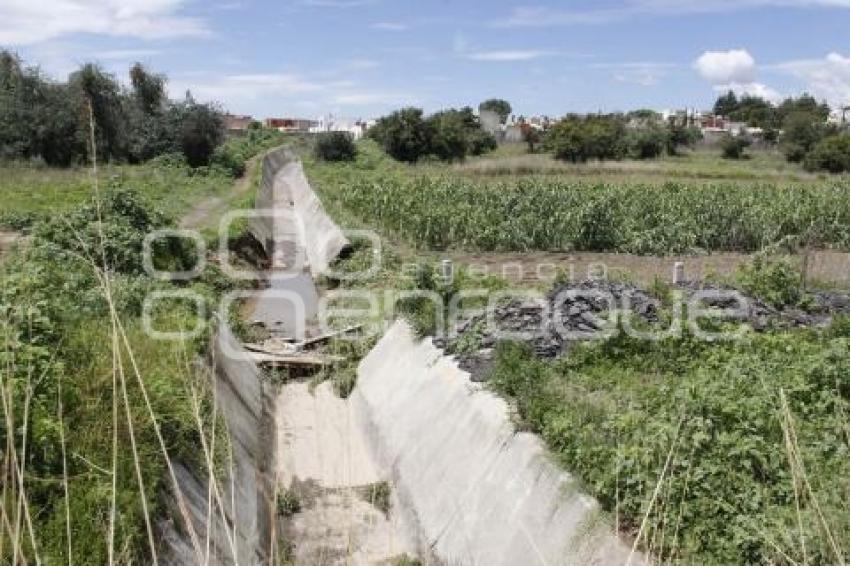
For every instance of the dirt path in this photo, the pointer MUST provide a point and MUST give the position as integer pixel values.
(323, 457)
(7, 242)
(208, 211)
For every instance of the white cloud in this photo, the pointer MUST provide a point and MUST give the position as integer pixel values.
(752, 89)
(27, 22)
(509, 55)
(733, 66)
(285, 93)
(390, 26)
(827, 78)
(545, 17)
(734, 70)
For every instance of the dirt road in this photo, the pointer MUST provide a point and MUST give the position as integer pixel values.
(7, 242)
(208, 212)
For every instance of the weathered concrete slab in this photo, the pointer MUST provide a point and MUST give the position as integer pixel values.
(479, 492)
(293, 227)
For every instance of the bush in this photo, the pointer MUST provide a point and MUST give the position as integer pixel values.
(647, 142)
(733, 147)
(335, 146)
(830, 154)
(404, 134)
(775, 282)
(802, 130)
(229, 159)
(579, 138)
(288, 502)
(201, 132)
(447, 135)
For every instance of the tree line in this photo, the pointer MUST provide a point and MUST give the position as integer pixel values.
(800, 126)
(44, 119)
(449, 135)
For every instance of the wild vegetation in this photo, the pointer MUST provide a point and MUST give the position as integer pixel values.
(87, 390)
(705, 453)
(32, 191)
(448, 135)
(47, 120)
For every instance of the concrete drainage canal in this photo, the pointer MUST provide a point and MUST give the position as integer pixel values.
(417, 465)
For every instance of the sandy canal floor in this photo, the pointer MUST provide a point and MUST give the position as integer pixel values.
(324, 457)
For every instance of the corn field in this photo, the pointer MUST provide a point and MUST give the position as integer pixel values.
(535, 214)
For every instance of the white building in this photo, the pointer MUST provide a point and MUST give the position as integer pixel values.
(330, 123)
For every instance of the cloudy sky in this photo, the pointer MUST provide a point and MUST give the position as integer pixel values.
(363, 57)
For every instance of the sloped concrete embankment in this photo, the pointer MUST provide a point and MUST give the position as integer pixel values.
(291, 221)
(478, 491)
(233, 521)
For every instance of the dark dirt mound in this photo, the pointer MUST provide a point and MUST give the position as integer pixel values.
(582, 311)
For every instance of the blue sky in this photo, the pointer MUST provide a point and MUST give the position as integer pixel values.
(360, 58)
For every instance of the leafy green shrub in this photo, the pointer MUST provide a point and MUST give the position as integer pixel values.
(288, 502)
(733, 147)
(776, 282)
(802, 130)
(647, 142)
(447, 135)
(404, 134)
(830, 154)
(580, 138)
(335, 146)
(229, 159)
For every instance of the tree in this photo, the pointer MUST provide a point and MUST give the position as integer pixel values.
(756, 112)
(804, 103)
(501, 107)
(99, 91)
(647, 141)
(681, 136)
(404, 134)
(335, 146)
(579, 138)
(830, 154)
(726, 104)
(450, 134)
(148, 89)
(530, 135)
(202, 130)
(733, 147)
(802, 130)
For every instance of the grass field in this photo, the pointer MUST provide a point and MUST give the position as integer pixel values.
(28, 192)
(701, 165)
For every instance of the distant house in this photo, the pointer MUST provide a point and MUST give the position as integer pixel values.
(237, 125)
(292, 125)
(330, 123)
